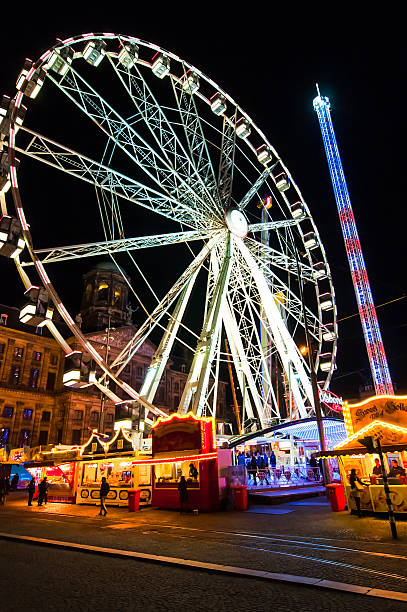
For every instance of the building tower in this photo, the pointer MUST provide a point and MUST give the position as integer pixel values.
(367, 311)
(105, 298)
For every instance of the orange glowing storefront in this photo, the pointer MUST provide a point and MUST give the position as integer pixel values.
(185, 445)
(383, 417)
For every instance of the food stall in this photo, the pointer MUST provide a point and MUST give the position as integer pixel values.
(59, 465)
(118, 462)
(185, 445)
(382, 417)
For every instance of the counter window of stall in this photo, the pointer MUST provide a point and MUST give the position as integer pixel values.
(168, 475)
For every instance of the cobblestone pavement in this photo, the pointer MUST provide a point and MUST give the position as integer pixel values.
(307, 540)
(41, 579)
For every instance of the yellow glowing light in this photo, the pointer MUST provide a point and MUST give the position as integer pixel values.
(303, 350)
(359, 434)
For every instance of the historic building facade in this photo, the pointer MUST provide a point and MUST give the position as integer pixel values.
(36, 408)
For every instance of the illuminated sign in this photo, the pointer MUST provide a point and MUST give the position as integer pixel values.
(389, 409)
(330, 400)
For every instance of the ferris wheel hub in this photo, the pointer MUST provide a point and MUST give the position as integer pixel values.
(236, 222)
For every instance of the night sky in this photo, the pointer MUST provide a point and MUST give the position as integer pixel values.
(269, 65)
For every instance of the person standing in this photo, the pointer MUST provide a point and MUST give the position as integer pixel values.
(377, 470)
(183, 494)
(253, 469)
(396, 470)
(356, 486)
(42, 492)
(31, 491)
(103, 492)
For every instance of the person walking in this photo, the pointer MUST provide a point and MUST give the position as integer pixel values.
(31, 491)
(183, 495)
(42, 492)
(103, 492)
(356, 486)
(14, 483)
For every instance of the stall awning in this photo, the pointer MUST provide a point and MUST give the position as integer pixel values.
(304, 429)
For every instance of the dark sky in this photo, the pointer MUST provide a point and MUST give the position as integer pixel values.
(269, 63)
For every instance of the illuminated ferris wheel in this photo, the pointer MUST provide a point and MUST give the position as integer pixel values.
(158, 157)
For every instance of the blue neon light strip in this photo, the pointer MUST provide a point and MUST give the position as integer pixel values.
(370, 325)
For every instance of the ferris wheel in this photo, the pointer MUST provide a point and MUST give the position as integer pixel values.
(137, 152)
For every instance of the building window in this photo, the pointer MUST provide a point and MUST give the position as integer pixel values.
(139, 371)
(59, 436)
(78, 415)
(176, 387)
(76, 436)
(14, 375)
(183, 368)
(2, 347)
(37, 356)
(4, 436)
(116, 296)
(51, 381)
(94, 417)
(103, 292)
(18, 352)
(43, 437)
(8, 412)
(24, 437)
(88, 293)
(46, 416)
(109, 418)
(53, 360)
(34, 376)
(3, 319)
(27, 414)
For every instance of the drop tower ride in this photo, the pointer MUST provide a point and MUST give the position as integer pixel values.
(370, 325)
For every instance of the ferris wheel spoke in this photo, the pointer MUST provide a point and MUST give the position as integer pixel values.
(160, 127)
(124, 135)
(111, 247)
(279, 259)
(227, 158)
(162, 308)
(272, 225)
(255, 188)
(197, 143)
(80, 166)
(246, 306)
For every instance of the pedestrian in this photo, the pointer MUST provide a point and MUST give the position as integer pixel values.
(42, 492)
(258, 459)
(14, 483)
(103, 492)
(273, 460)
(241, 460)
(253, 469)
(356, 486)
(263, 471)
(31, 491)
(313, 463)
(183, 495)
(193, 472)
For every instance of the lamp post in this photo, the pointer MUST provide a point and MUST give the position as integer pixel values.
(313, 376)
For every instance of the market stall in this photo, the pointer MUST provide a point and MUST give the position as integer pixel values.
(116, 460)
(185, 445)
(380, 417)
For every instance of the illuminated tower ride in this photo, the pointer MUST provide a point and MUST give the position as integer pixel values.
(367, 311)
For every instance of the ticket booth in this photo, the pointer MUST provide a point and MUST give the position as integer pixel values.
(185, 445)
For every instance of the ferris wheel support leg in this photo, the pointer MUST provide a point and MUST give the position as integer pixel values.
(285, 345)
(159, 361)
(198, 378)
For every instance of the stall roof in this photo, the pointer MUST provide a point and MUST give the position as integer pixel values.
(304, 429)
